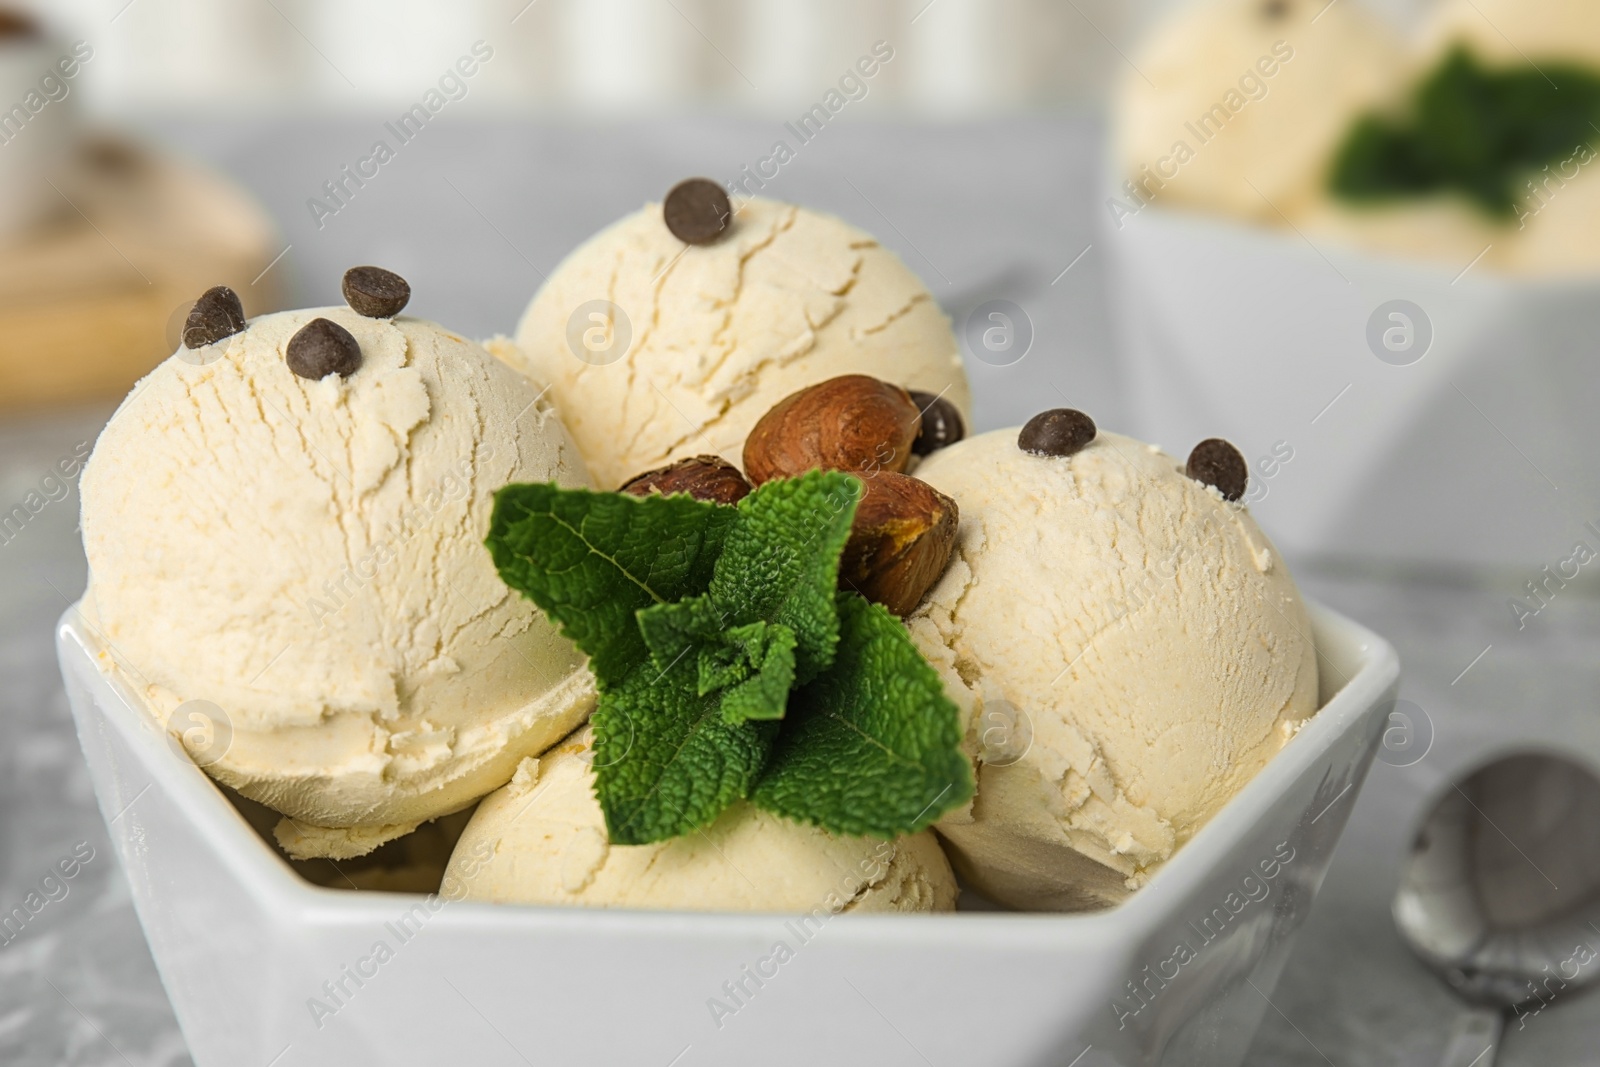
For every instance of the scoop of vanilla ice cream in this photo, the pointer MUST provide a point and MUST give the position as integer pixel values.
(717, 334)
(307, 557)
(1517, 31)
(1237, 106)
(1560, 225)
(542, 840)
(1443, 229)
(1130, 651)
(1454, 232)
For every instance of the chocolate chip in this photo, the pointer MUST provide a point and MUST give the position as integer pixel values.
(1058, 432)
(320, 348)
(941, 423)
(1275, 9)
(1219, 465)
(375, 292)
(697, 211)
(216, 315)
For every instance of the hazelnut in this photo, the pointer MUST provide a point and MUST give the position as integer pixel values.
(702, 477)
(900, 542)
(850, 423)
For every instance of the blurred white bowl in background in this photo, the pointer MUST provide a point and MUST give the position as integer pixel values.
(1390, 410)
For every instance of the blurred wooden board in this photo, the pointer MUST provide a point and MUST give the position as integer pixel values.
(89, 302)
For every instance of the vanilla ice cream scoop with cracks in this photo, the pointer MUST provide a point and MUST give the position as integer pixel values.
(542, 840)
(1238, 106)
(1130, 651)
(300, 564)
(656, 351)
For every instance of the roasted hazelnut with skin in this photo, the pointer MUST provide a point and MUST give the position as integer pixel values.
(710, 478)
(900, 542)
(850, 423)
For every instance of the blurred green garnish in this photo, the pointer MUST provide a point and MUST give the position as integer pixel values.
(1474, 130)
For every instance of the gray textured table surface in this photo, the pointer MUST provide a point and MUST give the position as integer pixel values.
(474, 215)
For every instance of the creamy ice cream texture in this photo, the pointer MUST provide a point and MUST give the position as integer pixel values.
(717, 334)
(1258, 97)
(1444, 229)
(1349, 63)
(1557, 234)
(1517, 31)
(306, 557)
(542, 840)
(1561, 230)
(1130, 651)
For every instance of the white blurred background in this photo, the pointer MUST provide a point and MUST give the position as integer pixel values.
(961, 58)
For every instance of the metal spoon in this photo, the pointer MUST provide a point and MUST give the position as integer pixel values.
(1501, 894)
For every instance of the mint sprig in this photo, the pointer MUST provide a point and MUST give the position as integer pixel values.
(714, 634)
(850, 757)
(1472, 129)
(670, 763)
(781, 561)
(592, 561)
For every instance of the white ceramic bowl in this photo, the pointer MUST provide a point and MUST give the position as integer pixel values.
(1473, 448)
(247, 950)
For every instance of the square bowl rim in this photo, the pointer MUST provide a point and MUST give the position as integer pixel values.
(293, 901)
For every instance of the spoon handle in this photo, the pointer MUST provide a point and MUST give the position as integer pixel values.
(1476, 1039)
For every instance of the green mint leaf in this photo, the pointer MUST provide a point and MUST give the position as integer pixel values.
(780, 562)
(873, 745)
(700, 620)
(592, 560)
(741, 653)
(769, 666)
(756, 652)
(666, 762)
(1475, 130)
(721, 666)
(672, 631)
(751, 641)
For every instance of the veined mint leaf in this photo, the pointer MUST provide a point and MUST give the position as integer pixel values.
(671, 631)
(753, 665)
(666, 762)
(873, 745)
(740, 653)
(780, 562)
(769, 654)
(592, 560)
(727, 663)
(700, 620)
